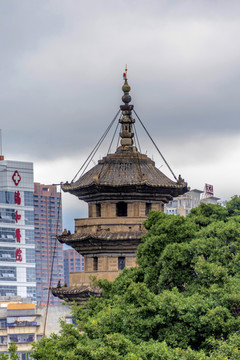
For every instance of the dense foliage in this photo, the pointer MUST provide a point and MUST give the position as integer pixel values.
(181, 302)
(12, 350)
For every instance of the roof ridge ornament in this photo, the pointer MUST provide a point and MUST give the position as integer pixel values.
(126, 120)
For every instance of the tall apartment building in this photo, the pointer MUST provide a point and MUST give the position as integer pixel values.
(17, 247)
(48, 223)
(73, 262)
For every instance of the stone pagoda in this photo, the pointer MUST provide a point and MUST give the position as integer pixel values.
(120, 191)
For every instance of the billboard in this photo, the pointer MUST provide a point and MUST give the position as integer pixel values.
(209, 189)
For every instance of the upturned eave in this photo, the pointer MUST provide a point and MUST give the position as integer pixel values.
(103, 242)
(78, 294)
(137, 192)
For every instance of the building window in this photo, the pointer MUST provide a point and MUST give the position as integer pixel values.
(7, 215)
(7, 235)
(3, 339)
(148, 208)
(31, 277)
(31, 292)
(95, 263)
(98, 210)
(8, 273)
(30, 256)
(28, 198)
(121, 209)
(8, 290)
(7, 197)
(21, 338)
(7, 254)
(121, 263)
(3, 323)
(29, 217)
(29, 237)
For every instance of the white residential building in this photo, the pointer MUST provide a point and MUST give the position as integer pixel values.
(183, 204)
(17, 246)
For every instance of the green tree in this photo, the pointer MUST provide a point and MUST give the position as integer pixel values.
(162, 230)
(181, 302)
(12, 351)
(233, 206)
(205, 214)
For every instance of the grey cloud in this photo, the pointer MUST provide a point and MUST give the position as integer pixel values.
(62, 64)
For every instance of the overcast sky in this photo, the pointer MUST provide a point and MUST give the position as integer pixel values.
(61, 76)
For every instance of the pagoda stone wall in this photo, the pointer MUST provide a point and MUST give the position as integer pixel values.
(103, 218)
(134, 209)
(113, 225)
(107, 269)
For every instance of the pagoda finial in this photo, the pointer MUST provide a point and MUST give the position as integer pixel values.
(126, 120)
(126, 98)
(125, 74)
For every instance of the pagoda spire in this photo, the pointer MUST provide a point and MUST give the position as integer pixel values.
(126, 120)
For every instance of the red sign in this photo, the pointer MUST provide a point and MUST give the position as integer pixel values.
(209, 189)
(18, 255)
(18, 235)
(17, 216)
(16, 177)
(17, 198)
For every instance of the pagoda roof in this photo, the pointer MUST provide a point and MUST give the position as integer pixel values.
(78, 294)
(103, 242)
(126, 171)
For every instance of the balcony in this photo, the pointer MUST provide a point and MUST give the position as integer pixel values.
(23, 322)
(22, 338)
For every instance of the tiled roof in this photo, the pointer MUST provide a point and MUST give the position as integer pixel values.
(121, 169)
(103, 242)
(102, 235)
(79, 294)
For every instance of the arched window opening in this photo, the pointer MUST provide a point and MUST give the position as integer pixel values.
(121, 209)
(121, 263)
(95, 264)
(98, 210)
(148, 208)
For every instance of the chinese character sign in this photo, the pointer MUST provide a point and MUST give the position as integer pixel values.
(17, 216)
(18, 255)
(17, 198)
(18, 235)
(16, 178)
(209, 189)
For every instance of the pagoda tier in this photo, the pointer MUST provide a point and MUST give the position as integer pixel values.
(103, 242)
(75, 293)
(131, 175)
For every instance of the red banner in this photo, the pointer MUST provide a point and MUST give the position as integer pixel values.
(209, 189)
